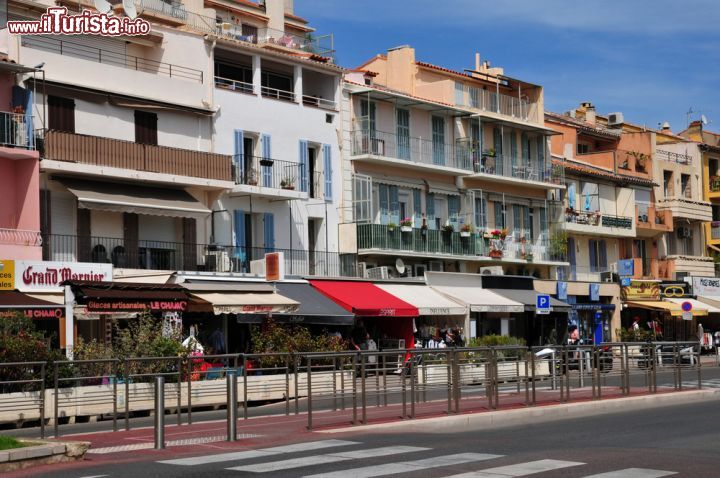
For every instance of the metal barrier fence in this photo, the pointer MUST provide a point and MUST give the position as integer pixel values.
(347, 387)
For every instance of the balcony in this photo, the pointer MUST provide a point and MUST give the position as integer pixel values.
(419, 153)
(166, 11)
(434, 243)
(651, 222)
(16, 131)
(672, 157)
(20, 244)
(493, 102)
(270, 173)
(647, 268)
(598, 224)
(107, 57)
(98, 151)
(682, 208)
(321, 45)
(174, 256)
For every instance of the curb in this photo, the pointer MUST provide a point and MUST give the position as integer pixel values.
(44, 453)
(505, 418)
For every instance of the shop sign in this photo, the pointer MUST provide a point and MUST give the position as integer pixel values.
(706, 286)
(135, 306)
(274, 266)
(386, 312)
(45, 275)
(626, 267)
(641, 290)
(674, 289)
(435, 311)
(7, 275)
(49, 313)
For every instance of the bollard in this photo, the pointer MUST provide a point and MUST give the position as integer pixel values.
(159, 413)
(231, 378)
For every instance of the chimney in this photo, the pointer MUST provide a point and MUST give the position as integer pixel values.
(401, 69)
(275, 10)
(589, 111)
(289, 7)
(666, 128)
(477, 61)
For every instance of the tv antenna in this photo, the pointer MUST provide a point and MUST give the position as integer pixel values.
(691, 112)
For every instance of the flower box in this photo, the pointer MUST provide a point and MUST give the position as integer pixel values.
(495, 254)
(406, 228)
(464, 234)
(266, 162)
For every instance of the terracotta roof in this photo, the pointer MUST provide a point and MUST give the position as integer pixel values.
(594, 171)
(443, 69)
(395, 92)
(583, 125)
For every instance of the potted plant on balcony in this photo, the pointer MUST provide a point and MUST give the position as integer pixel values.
(559, 245)
(490, 152)
(391, 226)
(466, 230)
(251, 177)
(528, 256)
(266, 162)
(448, 229)
(288, 183)
(406, 225)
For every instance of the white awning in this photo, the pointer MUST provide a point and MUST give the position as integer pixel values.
(427, 300)
(711, 304)
(248, 303)
(154, 201)
(467, 288)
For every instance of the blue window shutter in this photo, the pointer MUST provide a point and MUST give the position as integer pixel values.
(593, 255)
(238, 154)
(269, 232)
(384, 206)
(394, 205)
(430, 210)
(517, 221)
(478, 212)
(303, 165)
(267, 154)
(543, 222)
(454, 210)
(525, 148)
(526, 222)
(603, 255)
(416, 208)
(497, 141)
(327, 171)
(499, 220)
(239, 228)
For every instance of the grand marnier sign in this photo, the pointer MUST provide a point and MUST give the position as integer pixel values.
(47, 276)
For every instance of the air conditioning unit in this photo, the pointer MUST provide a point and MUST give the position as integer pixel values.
(613, 267)
(491, 271)
(615, 119)
(419, 270)
(362, 269)
(436, 266)
(609, 277)
(217, 261)
(379, 273)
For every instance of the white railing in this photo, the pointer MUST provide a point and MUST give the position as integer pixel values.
(20, 237)
(268, 92)
(171, 8)
(310, 100)
(14, 131)
(492, 101)
(234, 85)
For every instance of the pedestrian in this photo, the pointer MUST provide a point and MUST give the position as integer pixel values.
(700, 333)
(636, 324)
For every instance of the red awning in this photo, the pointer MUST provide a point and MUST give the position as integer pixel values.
(12, 299)
(365, 299)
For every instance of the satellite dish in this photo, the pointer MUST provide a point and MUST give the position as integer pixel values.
(400, 266)
(129, 7)
(102, 6)
(703, 119)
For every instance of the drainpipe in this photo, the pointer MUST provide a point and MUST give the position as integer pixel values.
(211, 85)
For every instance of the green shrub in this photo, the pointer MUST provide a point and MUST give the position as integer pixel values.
(271, 338)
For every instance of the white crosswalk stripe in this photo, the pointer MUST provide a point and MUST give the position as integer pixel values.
(634, 473)
(263, 452)
(329, 458)
(520, 469)
(418, 466)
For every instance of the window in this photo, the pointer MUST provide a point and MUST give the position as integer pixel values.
(388, 199)
(598, 256)
(667, 183)
(403, 133)
(481, 213)
(362, 198)
(241, 74)
(590, 197)
(438, 140)
(61, 114)
(277, 85)
(454, 211)
(499, 209)
(685, 186)
(474, 98)
(250, 31)
(145, 127)
(583, 148)
(459, 94)
(367, 115)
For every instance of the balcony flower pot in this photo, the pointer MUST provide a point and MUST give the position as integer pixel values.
(391, 227)
(406, 228)
(465, 234)
(496, 254)
(266, 162)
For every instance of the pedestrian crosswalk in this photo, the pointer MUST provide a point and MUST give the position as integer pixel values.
(398, 460)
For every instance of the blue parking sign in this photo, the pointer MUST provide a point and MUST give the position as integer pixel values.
(542, 304)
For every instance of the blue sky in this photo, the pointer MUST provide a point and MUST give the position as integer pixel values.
(652, 60)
